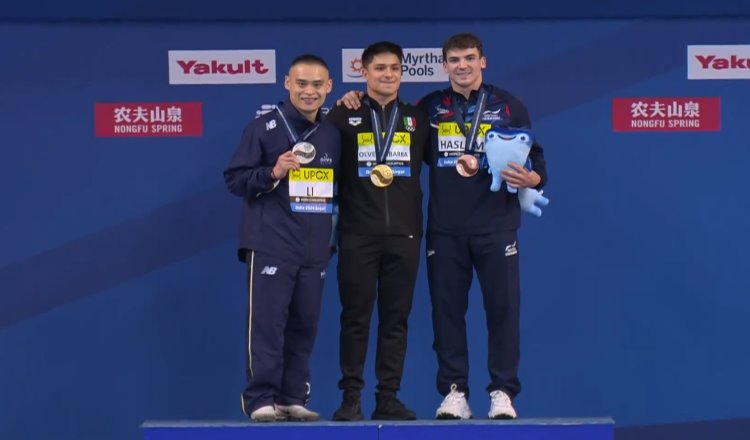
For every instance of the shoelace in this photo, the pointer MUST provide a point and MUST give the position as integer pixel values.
(454, 397)
(500, 396)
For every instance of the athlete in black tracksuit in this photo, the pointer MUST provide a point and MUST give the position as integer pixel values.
(471, 227)
(285, 241)
(381, 230)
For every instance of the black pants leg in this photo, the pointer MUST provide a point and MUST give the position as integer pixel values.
(399, 264)
(357, 270)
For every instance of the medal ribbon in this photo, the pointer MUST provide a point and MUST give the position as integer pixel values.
(292, 133)
(383, 144)
(458, 117)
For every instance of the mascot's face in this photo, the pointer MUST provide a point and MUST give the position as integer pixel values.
(509, 135)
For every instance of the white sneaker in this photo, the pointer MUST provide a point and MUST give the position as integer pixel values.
(500, 406)
(454, 406)
(296, 413)
(263, 414)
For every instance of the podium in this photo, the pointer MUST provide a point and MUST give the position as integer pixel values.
(521, 429)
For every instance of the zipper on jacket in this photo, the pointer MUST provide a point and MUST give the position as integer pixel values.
(384, 123)
(387, 210)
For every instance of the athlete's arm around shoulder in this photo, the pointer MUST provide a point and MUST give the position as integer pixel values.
(425, 105)
(425, 131)
(337, 115)
(428, 99)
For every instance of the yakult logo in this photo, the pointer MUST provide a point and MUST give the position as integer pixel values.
(222, 66)
(418, 65)
(719, 62)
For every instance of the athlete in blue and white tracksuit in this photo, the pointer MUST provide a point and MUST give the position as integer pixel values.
(471, 228)
(285, 241)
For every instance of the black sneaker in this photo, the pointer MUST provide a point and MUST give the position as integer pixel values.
(350, 409)
(388, 407)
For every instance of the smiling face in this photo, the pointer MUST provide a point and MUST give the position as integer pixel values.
(383, 75)
(464, 68)
(308, 86)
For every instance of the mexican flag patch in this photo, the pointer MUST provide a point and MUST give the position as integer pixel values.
(410, 123)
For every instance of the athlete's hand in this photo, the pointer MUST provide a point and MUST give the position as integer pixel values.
(285, 162)
(520, 177)
(352, 100)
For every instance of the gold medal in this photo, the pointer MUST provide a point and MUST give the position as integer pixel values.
(381, 175)
(305, 152)
(467, 165)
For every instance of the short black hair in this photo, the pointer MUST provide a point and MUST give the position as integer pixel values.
(309, 59)
(381, 47)
(462, 41)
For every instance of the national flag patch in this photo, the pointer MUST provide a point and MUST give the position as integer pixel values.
(410, 123)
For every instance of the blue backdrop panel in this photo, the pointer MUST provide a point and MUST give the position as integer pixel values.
(121, 298)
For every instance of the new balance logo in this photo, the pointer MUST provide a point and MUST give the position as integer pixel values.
(268, 270)
(511, 249)
(270, 125)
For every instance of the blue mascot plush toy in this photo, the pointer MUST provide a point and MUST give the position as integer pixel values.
(503, 145)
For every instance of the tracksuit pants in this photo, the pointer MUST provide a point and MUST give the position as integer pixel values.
(284, 309)
(451, 260)
(370, 268)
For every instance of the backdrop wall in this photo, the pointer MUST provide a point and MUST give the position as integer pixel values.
(122, 300)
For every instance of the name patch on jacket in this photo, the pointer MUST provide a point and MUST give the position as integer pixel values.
(399, 156)
(311, 190)
(452, 143)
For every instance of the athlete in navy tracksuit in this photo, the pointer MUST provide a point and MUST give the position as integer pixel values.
(472, 228)
(285, 240)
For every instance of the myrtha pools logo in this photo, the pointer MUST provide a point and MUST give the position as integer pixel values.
(418, 65)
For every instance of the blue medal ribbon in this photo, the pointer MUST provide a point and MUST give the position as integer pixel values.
(383, 142)
(292, 133)
(458, 117)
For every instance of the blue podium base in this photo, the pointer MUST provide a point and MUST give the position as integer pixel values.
(523, 429)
